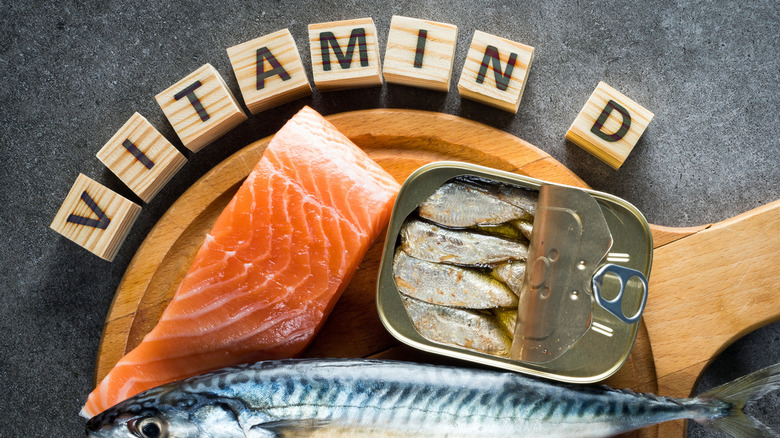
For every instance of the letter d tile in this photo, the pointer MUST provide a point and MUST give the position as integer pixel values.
(609, 125)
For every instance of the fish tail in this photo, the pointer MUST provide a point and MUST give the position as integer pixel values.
(732, 397)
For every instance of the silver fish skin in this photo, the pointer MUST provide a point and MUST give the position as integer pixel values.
(512, 274)
(519, 197)
(359, 397)
(460, 205)
(459, 327)
(426, 241)
(447, 285)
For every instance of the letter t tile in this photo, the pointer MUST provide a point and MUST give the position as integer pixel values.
(201, 108)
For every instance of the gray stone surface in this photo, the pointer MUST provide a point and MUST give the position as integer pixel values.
(73, 72)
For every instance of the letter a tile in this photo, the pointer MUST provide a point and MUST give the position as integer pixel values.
(420, 53)
(344, 54)
(141, 157)
(95, 217)
(495, 71)
(201, 108)
(609, 125)
(269, 71)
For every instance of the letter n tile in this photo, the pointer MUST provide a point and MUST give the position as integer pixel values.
(609, 125)
(495, 71)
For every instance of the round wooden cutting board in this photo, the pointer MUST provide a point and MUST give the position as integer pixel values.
(401, 141)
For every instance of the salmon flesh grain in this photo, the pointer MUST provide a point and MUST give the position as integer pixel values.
(273, 266)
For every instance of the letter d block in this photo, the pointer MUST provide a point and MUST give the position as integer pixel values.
(95, 217)
(420, 53)
(344, 54)
(609, 125)
(201, 108)
(141, 157)
(269, 71)
(495, 71)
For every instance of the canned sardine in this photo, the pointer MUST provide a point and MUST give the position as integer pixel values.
(457, 277)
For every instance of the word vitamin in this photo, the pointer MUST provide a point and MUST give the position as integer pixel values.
(344, 54)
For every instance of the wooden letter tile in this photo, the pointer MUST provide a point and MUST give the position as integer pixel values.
(141, 157)
(609, 125)
(344, 54)
(201, 108)
(495, 71)
(269, 71)
(95, 217)
(420, 53)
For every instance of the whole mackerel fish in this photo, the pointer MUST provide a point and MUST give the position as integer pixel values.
(357, 397)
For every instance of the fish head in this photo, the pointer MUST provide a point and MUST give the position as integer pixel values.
(130, 420)
(168, 412)
(126, 425)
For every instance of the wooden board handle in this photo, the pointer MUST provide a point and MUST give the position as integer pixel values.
(709, 289)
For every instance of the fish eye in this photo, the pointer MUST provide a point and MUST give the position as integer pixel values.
(149, 427)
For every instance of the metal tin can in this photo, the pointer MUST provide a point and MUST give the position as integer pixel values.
(603, 344)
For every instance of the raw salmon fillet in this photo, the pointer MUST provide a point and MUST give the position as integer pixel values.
(273, 266)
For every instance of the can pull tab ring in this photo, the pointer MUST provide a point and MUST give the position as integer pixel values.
(615, 306)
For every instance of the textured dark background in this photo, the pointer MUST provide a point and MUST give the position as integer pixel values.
(73, 72)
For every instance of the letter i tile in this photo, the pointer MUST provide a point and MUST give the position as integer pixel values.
(420, 53)
(269, 71)
(141, 157)
(95, 217)
(609, 125)
(495, 71)
(201, 108)
(344, 54)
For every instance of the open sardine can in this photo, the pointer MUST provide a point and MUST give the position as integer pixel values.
(579, 297)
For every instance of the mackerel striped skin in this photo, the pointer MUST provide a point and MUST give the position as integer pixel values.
(341, 397)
